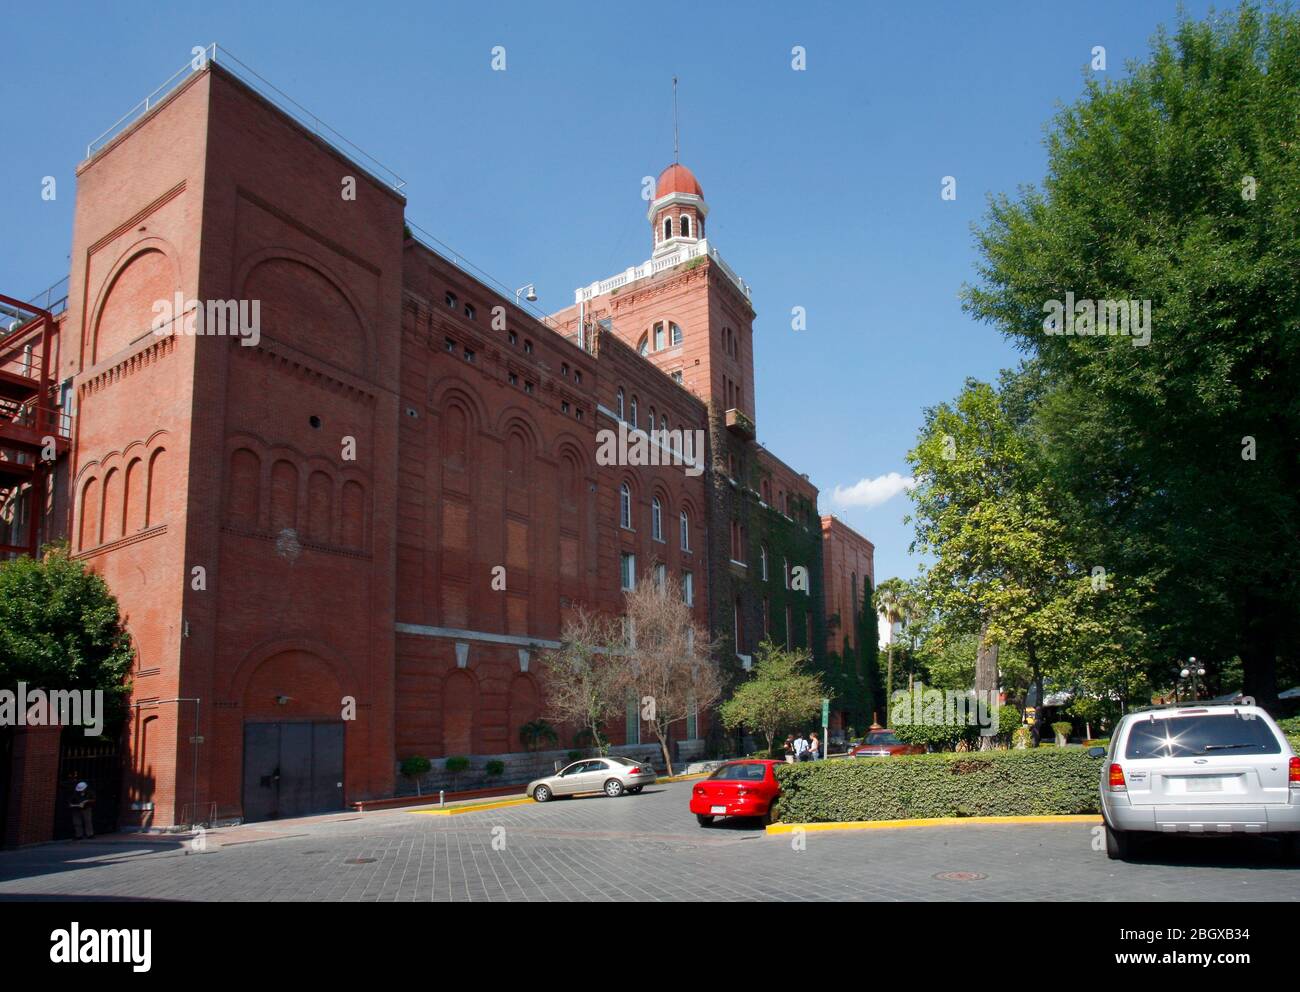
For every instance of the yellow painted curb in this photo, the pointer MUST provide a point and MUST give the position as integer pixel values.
(939, 821)
(503, 803)
(455, 810)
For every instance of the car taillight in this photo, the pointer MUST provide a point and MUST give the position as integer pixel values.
(699, 790)
(1294, 776)
(635, 771)
(1117, 779)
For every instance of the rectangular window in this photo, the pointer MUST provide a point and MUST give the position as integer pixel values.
(633, 720)
(661, 577)
(451, 345)
(789, 629)
(677, 377)
(688, 588)
(692, 720)
(628, 574)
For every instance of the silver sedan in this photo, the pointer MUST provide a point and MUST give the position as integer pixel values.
(612, 776)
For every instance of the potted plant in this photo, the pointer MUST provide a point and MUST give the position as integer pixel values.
(495, 768)
(1062, 730)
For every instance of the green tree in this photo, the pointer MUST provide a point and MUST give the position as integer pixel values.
(890, 601)
(778, 694)
(1178, 457)
(60, 628)
(1003, 562)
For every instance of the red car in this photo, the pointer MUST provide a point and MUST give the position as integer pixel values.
(884, 744)
(738, 788)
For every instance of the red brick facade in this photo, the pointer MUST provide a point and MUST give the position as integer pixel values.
(307, 531)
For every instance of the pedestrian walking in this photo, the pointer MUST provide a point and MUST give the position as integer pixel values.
(814, 748)
(789, 749)
(82, 805)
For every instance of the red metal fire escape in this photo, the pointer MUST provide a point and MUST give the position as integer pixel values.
(34, 433)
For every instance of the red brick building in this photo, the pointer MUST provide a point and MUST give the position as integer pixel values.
(304, 530)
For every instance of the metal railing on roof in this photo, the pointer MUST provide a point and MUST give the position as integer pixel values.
(250, 78)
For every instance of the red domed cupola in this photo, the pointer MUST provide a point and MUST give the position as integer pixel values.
(677, 214)
(677, 179)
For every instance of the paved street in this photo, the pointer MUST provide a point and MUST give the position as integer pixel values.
(645, 847)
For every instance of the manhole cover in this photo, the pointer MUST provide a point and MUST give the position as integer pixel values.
(960, 876)
(359, 861)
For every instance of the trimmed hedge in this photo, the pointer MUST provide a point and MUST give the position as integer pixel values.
(1033, 782)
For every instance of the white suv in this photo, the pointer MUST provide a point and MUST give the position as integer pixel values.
(1212, 769)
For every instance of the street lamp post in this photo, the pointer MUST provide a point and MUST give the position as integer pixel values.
(1194, 671)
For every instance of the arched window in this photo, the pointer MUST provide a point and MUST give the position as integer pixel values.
(656, 519)
(663, 423)
(674, 333)
(633, 417)
(668, 228)
(650, 422)
(659, 336)
(685, 222)
(762, 562)
(643, 345)
(625, 506)
(686, 531)
(619, 400)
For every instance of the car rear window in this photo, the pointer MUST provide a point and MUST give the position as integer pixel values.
(1188, 736)
(622, 761)
(741, 773)
(882, 737)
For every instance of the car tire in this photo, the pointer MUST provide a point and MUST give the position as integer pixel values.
(704, 820)
(542, 794)
(1118, 844)
(614, 788)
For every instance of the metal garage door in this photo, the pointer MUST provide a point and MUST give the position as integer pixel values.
(292, 769)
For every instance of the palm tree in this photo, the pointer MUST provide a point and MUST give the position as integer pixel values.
(890, 601)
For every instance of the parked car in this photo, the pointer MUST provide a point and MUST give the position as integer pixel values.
(883, 744)
(612, 776)
(1209, 769)
(738, 788)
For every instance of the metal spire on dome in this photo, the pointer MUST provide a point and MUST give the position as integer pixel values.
(676, 149)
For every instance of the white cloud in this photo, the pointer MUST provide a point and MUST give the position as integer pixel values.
(872, 492)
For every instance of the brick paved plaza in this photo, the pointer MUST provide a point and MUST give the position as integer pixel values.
(645, 847)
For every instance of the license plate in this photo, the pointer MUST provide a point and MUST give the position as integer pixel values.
(1204, 784)
(718, 809)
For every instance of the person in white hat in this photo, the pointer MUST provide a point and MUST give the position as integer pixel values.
(82, 804)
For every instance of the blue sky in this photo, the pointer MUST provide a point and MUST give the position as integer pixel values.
(823, 184)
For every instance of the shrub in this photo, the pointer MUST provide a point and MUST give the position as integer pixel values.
(1063, 728)
(978, 783)
(1290, 726)
(1294, 741)
(414, 768)
(574, 755)
(495, 767)
(536, 734)
(456, 765)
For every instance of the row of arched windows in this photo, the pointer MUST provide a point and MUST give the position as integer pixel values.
(628, 412)
(117, 502)
(683, 226)
(662, 334)
(656, 517)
